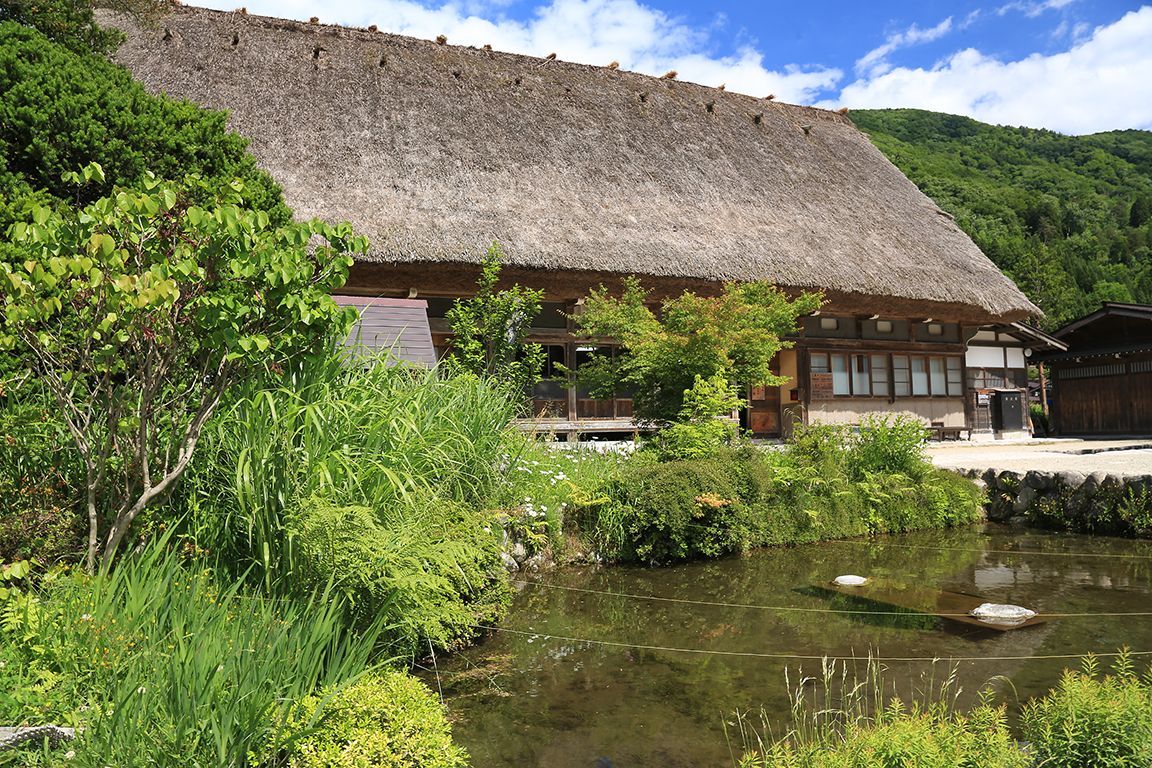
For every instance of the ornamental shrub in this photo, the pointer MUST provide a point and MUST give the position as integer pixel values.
(701, 428)
(386, 720)
(61, 110)
(678, 510)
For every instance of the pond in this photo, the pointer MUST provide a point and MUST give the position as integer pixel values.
(591, 669)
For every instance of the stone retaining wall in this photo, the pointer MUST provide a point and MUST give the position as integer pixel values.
(1096, 503)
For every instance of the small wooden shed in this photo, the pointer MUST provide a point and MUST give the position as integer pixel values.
(1102, 384)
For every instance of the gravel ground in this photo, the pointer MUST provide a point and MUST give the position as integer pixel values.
(1114, 457)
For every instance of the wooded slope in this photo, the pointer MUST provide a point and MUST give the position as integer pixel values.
(1069, 218)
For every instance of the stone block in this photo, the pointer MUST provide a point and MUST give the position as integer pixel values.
(1070, 479)
(1025, 499)
(1041, 481)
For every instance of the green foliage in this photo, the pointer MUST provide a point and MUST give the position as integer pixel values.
(544, 484)
(140, 310)
(70, 23)
(842, 720)
(1066, 217)
(1119, 509)
(60, 110)
(702, 427)
(826, 485)
(155, 653)
(488, 330)
(891, 444)
(1089, 720)
(901, 738)
(430, 570)
(368, 473)
(674, 511)
(388, 720)
(353, 431)
(1093, 721)
(734, 335)
(41, 480)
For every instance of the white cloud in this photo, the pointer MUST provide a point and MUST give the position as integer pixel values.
(641, 38)
(1103, 82)
(1033, 8)
(875, 62)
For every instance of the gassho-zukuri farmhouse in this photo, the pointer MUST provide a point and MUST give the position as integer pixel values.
(586, 174)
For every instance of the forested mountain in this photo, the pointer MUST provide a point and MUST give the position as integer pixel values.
(1069, 218)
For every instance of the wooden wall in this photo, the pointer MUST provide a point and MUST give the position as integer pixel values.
(1116, 401)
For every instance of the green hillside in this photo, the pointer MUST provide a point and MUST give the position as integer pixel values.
(1069, 218)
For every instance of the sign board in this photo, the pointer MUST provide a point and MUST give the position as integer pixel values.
(821, 386)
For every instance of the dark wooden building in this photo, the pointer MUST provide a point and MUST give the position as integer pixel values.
(1102, 384)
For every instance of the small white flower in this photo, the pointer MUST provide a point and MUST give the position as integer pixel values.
(86, 617)
(141, 690)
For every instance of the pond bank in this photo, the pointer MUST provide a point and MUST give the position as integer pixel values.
(1092, 486)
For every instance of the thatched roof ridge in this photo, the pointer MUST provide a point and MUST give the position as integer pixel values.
(434, 151)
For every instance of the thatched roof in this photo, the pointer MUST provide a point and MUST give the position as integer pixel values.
(434, 151)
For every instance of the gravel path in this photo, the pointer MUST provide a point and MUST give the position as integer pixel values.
(1115, 457)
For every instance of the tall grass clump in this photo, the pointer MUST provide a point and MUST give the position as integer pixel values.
(844, 720)
(161, 666)
(374, 474)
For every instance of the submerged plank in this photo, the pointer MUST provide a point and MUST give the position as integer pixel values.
(944, 604)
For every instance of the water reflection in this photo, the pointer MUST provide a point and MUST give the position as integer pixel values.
(534, 699)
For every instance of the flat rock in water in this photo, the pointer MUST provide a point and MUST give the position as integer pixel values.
(1001, 614)
(849, 581)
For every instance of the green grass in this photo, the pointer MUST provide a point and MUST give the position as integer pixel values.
(1089, 720)
(160, 666)
(350, 430)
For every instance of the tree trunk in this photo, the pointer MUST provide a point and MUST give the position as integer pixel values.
(93, 525)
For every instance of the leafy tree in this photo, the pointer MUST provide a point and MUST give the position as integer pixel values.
(70, 23)
(141, 309)
(60, 110)
(488, 330)
(700, 429)
(734, 335)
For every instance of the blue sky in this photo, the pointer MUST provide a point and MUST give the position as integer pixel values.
(1075, 66)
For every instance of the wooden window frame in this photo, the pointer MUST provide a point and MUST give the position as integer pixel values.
(950, 376)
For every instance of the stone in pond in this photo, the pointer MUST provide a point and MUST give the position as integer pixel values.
(995, 613)
(849, 581)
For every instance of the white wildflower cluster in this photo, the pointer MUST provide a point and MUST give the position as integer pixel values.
(534, 510)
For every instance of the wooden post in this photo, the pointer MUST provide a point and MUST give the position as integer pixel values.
(1043, 391)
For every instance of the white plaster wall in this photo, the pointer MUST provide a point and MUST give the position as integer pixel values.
(949, 410)
(787, 368)
(984, 357)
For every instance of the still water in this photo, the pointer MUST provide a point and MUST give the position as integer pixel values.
(543, 692)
